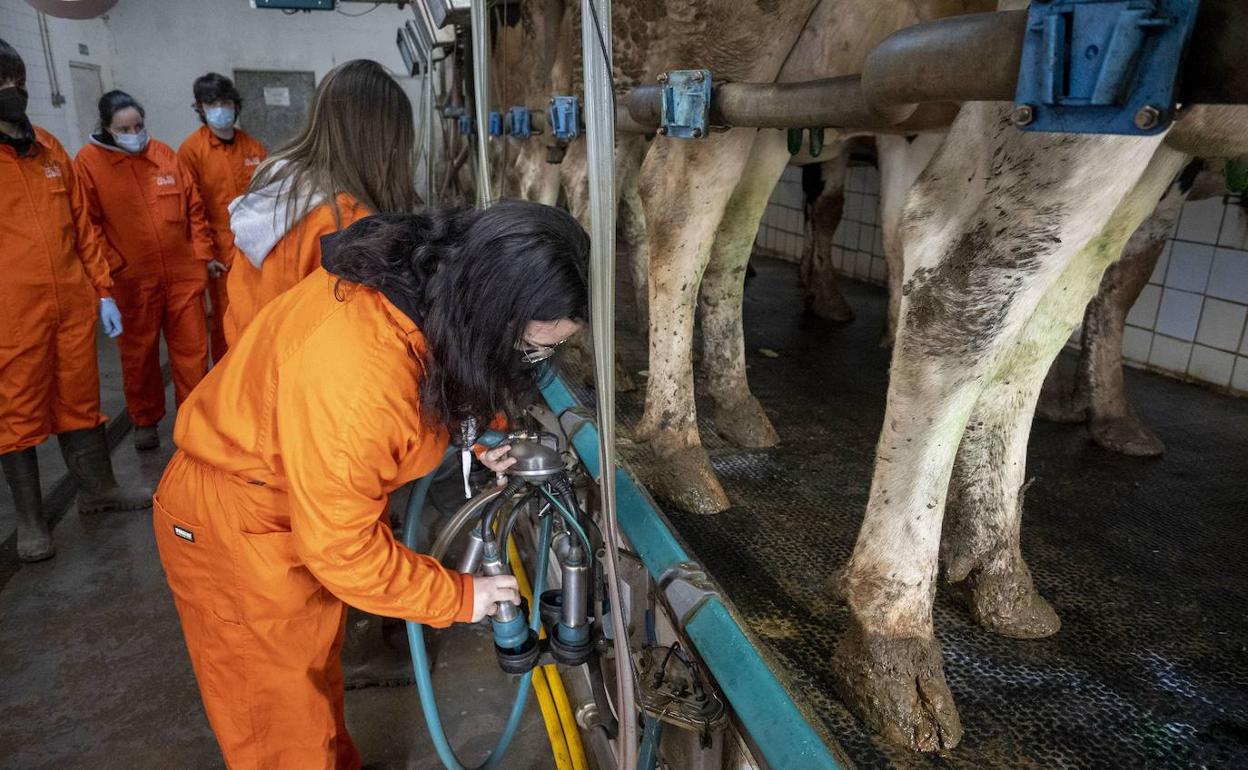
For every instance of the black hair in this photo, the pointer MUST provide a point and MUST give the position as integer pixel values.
(472, 280)
(112, 103)
(215, 87)
(11, 65)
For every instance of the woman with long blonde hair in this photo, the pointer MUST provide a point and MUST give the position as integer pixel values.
(353, 158)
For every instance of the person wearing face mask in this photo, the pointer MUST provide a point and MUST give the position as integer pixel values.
(160, 250)
(221, 159)
(55, 284)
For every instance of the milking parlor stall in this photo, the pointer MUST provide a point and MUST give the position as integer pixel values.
(908, 428)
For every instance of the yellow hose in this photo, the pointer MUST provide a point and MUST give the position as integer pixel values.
(565, 740)
(570, 731)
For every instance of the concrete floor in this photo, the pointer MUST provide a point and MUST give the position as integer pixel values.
(94, 673)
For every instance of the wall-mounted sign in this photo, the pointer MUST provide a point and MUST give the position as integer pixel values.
(277, 97)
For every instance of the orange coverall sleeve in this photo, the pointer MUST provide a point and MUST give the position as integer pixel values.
(94, 216)
(90, 241)
(201, 234)
(336, 426)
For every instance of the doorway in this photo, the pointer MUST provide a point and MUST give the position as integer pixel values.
(87, 87)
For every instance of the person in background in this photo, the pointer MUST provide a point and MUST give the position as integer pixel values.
(159, 248)
(354, 157)
(55, 283)
(221, 159)
(273, 514)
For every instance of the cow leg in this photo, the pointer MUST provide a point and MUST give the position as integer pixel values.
(823, 185)
(1113, 423)
(737, 415)
(1094, 388)
(901, 160)
(685, 187)
(980, 546)
(990, 227)
(630, 232)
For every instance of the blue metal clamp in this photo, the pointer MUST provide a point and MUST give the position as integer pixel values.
(565, 117)
(520, 122)
(686, 110)
(496, 124)
(467, 125)
(1102, 66)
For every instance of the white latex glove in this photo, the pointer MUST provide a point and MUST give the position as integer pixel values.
(110, 317)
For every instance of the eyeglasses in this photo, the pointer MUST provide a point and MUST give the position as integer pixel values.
(534, 353)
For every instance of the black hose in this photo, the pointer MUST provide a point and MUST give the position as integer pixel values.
(487, 518)
(598, 687)
(505, 534)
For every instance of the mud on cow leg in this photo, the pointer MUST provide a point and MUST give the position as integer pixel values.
(897, 686)
(685, 188)
(980, 547)
(738, 416)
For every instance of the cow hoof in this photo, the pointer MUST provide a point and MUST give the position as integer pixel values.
(896, 686)
(830, 308)
(745, 424)
(1062, 407)
(684, 478)
(1006, 603)
(1126, 435)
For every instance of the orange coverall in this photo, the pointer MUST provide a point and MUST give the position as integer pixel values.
(158, 245)
(296, 255)
(222, 171)
(52, 276)
(273, 513)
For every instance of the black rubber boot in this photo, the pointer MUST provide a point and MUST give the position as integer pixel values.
(86, 456)
(146, 437)
(21, 470)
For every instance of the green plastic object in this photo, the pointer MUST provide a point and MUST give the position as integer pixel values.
(816, 142)
(795, 141)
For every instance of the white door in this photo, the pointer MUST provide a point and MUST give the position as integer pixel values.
(88, 88)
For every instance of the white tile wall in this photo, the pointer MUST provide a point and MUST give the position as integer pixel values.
(1189, 321)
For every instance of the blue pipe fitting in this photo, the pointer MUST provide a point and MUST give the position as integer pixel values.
(496, 124)
(565, 117)
(467, 126)
(521, 122)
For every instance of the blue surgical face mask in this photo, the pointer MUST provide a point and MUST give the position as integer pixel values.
(131, 142)
(219, 117)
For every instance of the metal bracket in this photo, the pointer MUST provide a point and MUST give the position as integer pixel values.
(687, 587)
(1102, 66)
(520, 122)
(496, 124)
(686, 105)
(565, 117)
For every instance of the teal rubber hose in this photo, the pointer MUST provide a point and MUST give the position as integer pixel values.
(420, 653)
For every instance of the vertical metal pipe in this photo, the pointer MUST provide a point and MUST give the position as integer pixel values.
(600, 144)
(431, 110)
(481, 99)
(426, 111)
